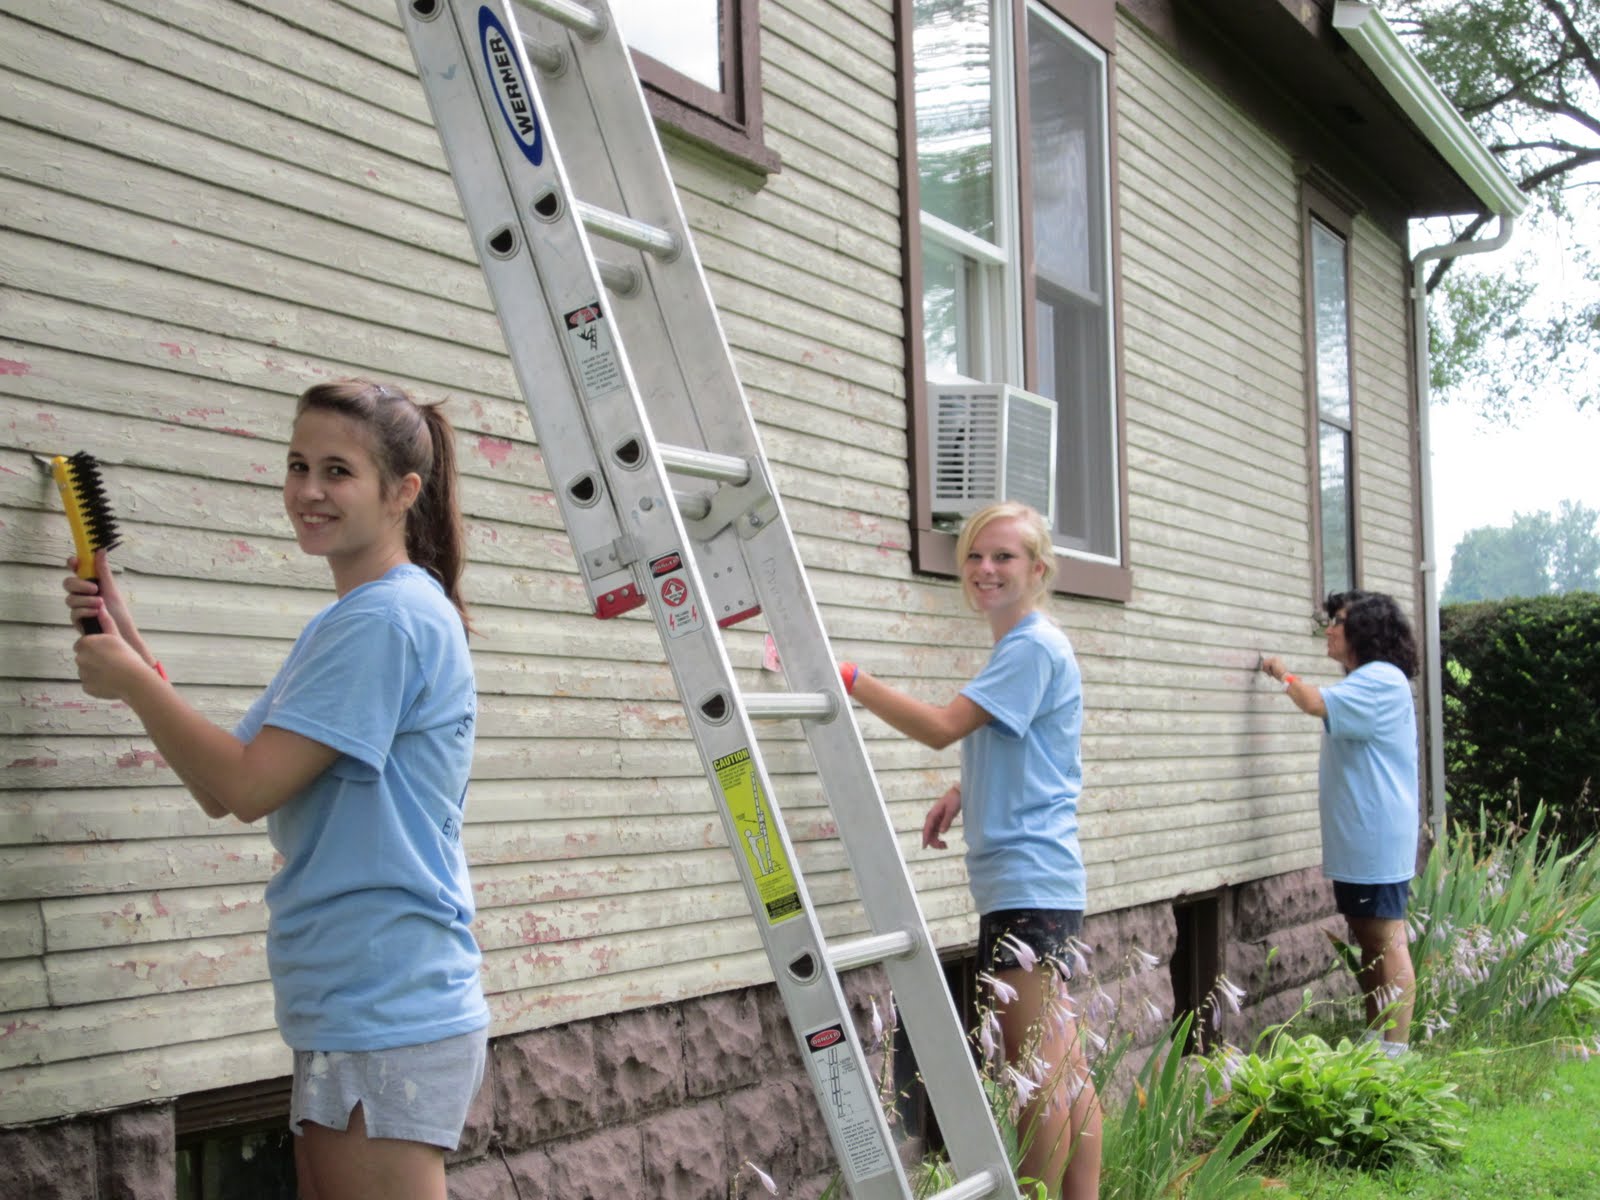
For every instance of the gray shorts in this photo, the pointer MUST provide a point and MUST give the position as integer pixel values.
(410, 1093)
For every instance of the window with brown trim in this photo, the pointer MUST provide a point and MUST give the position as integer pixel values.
(700, 63)
(1012, 343)
(1327, 228)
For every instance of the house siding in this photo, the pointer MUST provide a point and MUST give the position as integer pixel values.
(210, 207)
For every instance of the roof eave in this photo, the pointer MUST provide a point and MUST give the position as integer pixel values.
(1379, 47)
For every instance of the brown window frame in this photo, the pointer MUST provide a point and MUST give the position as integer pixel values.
(933, 550)
(727, 121)
(1323, 201)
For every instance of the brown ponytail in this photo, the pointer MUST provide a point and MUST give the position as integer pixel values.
(408, 438)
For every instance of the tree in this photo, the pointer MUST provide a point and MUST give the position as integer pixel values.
(1575, 557)
(1537, 555)
(1526, 75)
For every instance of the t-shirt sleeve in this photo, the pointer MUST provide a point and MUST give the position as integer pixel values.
(1013, 684)
(349, 687)
(1357, 706)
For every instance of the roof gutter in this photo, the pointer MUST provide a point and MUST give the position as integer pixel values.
(1377, 45)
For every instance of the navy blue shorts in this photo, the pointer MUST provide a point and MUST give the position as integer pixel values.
(1046, 931)
(1383, 901)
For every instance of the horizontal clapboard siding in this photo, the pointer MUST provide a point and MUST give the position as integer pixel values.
(212, 204)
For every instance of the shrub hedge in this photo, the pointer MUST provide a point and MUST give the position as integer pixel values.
(1522, 710)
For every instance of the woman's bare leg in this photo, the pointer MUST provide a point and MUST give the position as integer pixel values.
(335, 1164)
(1062, 1122)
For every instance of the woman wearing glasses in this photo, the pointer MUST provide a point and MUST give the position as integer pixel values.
(1367, 786)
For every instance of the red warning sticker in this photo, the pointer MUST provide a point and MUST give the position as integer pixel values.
(679, 612)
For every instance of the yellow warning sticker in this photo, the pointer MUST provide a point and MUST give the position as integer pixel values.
(758, 841)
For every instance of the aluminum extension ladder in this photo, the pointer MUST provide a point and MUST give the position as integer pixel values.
(501, 83)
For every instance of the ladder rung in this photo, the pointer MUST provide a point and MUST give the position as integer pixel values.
(785, 705)
(703, 464)
(695, 506)
(579, 18)
(552, 60)
(874, 948)
(622, 280)
(641, 235)
(983, 1183)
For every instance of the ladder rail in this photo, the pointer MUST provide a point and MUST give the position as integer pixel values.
(612, 477)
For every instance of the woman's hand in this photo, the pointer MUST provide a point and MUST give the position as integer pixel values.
(107, 664)
(940, 817)
(102, 599)
(1273, 665)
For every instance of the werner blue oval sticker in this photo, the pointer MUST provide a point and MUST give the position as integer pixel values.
(510, 88)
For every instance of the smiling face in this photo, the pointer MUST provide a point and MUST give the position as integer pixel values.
(1001, 579)
(333, 492)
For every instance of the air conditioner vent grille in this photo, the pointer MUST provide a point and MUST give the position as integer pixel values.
(991, 442)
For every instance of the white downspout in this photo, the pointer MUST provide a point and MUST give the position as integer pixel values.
(1433, 661)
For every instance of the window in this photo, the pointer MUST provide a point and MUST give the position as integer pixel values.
(235, 1142)
(1332, 407)
(1196, 967)
(1013, 267)
(700, 63)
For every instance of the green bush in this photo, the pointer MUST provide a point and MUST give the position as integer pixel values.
(1522, 711)
(1350, 1103)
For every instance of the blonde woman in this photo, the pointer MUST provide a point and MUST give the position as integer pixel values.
(1019, 722)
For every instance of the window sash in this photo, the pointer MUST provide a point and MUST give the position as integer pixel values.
(1072, 337)
(1331, 398)
(726, 118)
(985, 317)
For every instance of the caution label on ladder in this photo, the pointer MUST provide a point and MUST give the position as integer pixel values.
(758, 842)
(594, 350)
(842, 1091)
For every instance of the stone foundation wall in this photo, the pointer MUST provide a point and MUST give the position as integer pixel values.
(1293, 914)
(668, 1102)
(665, 1102)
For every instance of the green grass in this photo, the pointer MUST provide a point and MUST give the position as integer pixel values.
(1541, 1147)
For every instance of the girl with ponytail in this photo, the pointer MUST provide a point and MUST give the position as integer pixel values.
(358, 755)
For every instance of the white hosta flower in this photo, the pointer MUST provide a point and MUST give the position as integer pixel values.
(989, 1036)
(1026, 958)
(762, 1177)
(1231, 993)
(1101, 1005)
(1023, 1086)
(1003, 991)
(1143, 960)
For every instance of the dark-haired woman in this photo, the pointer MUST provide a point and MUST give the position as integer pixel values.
(358, 755)
(1367, 786)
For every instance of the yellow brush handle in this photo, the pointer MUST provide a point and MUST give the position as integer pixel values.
(61, 471)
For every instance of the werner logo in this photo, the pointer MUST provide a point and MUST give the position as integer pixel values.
(823, 1038)
(516, 101)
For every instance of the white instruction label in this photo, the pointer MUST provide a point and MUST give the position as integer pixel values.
(843, 1091)
(592, 347)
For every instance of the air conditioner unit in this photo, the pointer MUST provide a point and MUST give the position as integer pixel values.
(991, 442)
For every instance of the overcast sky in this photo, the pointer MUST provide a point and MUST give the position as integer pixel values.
(1483, 474)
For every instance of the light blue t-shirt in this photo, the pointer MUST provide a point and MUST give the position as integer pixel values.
(368, 941)
(1021, 773)
(1368, 777)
